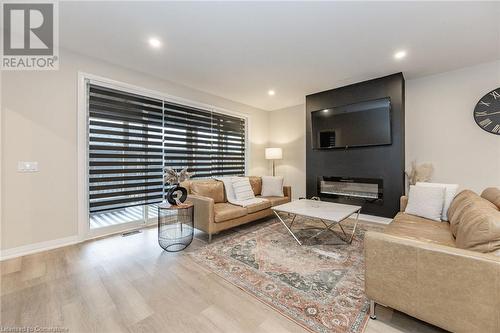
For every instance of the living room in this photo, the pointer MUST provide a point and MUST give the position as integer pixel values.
(229, 125)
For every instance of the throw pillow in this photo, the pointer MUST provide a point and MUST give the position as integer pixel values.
(425, 202)
(449, 194)
(272, 186)
(242, 189)
(475, 223)
(492, 194)
(460, 205)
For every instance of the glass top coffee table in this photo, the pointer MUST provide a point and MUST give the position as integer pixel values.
(329, 213)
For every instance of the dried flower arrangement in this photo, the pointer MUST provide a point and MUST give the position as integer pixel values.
(419, 173)
(173, 176)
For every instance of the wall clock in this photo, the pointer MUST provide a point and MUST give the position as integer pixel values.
(487, 112)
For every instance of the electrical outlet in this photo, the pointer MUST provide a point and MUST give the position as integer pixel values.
(24, 166)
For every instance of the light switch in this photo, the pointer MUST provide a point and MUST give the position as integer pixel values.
(24, 166)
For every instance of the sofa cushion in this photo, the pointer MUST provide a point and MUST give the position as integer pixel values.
(256, 183)
(187, 183)
(475, 223)
(480, 231)
(276, 200)
(462, 202)
(226, 211)
(492, 194)
(258, 206)
(419, 228)
(210, 189)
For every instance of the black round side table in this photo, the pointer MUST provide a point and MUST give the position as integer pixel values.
(175, 226)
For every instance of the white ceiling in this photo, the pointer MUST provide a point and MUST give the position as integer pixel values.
(240, 50)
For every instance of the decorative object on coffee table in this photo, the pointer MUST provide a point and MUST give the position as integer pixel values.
(175, 226)
(176, 194)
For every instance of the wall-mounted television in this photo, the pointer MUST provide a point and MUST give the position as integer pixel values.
(366, 123)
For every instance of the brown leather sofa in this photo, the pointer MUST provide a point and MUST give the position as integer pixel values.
(212, 212)
(447, 274)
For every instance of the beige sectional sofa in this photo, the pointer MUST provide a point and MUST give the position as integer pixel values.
(447, 274)
(212, 212)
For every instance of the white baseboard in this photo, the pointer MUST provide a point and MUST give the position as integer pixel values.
(37, 247)
(56, 243)
(376, 219)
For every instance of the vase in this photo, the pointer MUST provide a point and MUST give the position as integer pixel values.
(176, 195)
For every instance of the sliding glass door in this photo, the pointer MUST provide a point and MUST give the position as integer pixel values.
(125, 157)
(132, 138)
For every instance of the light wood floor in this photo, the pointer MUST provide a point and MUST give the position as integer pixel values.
(128, 284)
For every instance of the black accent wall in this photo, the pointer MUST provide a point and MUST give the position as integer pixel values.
(384, 162)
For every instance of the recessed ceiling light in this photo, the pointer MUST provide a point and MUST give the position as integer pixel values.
(399, 55)
(154, 42)
(325, 110)
(271, 92)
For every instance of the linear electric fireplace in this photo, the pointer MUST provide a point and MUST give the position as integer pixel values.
(352, 188)
(330, 172)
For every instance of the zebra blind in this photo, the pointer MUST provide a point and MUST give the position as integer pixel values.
(132, 138)
(125, 149)
(207, 143)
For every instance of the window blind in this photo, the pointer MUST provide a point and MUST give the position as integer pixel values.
(125, 149)
(132, 138)
(209, 144)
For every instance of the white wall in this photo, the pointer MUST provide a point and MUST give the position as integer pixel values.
(440, 128)
(39, 123)
(287, 131)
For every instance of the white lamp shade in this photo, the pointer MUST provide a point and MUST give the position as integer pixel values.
(274, 154)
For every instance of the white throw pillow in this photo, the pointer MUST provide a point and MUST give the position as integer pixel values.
(449, 195)
(272, 186)
(426, 202)
(242, 189)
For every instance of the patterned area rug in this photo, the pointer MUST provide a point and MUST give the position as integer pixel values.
(319, 286)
